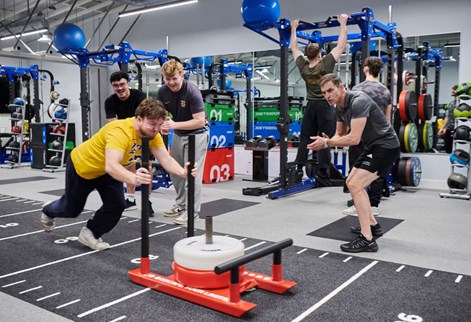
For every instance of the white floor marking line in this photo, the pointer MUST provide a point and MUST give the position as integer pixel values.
(11, 284)
(458, 279)
(347, 259)
(67, 304)
(335, 292)
(131, 221)
(256, 245)
(21, 200)
(243, 239)
(42, 231)
(30, 290)
(81, 315)
(302, 251)
(160, 226)
(428, 273)
(83, 254)
(48, 296)
(20, 213)
(31, 201)
(8, 199)
(119, 319)
(323, 255)
(400, 268)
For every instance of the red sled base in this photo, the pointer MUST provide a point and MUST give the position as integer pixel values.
(226, 300)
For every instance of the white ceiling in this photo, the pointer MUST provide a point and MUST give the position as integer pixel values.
(17, 16)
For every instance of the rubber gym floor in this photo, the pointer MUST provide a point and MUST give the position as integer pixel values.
(422, 271)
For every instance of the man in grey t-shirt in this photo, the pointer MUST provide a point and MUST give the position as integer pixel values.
(359, 119)
(382, 96)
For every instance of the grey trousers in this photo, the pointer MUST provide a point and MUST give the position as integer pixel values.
(179, 152)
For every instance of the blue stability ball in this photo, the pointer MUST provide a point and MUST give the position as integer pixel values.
(198, 61)
(69, 36)
(260, 11)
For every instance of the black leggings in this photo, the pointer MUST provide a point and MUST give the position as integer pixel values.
(318, 118)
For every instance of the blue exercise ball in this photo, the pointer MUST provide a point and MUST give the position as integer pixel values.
(68, 36)
(260, 11)
(198, 61)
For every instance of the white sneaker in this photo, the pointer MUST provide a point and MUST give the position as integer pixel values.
(47, 222)
(183, 218)
(350, 211)
(176, 211)
(86, 238)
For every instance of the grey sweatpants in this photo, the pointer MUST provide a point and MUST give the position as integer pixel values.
(179, 152)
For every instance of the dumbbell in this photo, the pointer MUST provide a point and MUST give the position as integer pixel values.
(269, 142)
(253, 142)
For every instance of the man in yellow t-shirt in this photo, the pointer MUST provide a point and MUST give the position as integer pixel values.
(100, 163)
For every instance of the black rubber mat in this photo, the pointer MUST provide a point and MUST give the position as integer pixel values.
(55, 272)
(340, 229)
(26, 179)
(58, 192)
(222, 206)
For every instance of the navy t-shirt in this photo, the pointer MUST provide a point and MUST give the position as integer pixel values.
(183, 104)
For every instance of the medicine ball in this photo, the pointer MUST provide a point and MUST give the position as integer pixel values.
(17, 115)
(459, 156)
(464, 89)
(18, 101)
(462, 110)
(462, 132)
(14, 144)
(59, 129)
(457, 181)
(57, 145)
(15, 129)
(55, 161)
(60, 114)
(13, 158)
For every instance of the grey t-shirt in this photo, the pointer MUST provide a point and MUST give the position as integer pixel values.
(377, 91)
(377, 131)
(183, 104)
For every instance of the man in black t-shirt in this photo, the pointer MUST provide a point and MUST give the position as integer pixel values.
(122, 104)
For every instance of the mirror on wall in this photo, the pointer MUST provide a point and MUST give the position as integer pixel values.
(266, 75)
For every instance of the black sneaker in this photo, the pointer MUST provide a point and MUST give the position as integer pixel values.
(151, 211)
(375, 230)
(130, 205)
(360, 245)
(350, 203)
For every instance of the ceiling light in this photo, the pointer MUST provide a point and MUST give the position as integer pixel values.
(24, 34)
(162, 6)
(449, 45)
(45, 39)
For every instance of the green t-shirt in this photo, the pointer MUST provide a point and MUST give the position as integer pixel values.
(312, 75)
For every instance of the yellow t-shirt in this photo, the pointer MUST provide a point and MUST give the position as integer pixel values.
(121, 135)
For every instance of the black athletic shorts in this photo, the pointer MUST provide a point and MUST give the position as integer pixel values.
(378, 159)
